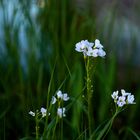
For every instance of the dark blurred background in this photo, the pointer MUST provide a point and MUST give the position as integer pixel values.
(37, 35)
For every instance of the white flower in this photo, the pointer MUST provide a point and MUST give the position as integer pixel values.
(130, 99)
(32, 113)
(124, 93)
(83, 46)
(79, 47)
(121, 101)
(92, 52)
(98, 44)
(62, 96)
(88, 49)
(43, 111)
(59, 94)
(86, 44)
(100, 47)
(101, 53)
(65, 97)
(61, 112)
(53, 100)
(126, 98)
(115, 95)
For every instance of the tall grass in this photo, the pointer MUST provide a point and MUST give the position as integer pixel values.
(32, 47)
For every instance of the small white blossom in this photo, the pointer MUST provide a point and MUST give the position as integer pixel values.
(32, 113)
(59, 94)
(130, 99)
(121, 101)
(101, 53)
(65, 97)
(61, 112)
(62, 96)
(98, 44)
(43, 111)
(83, 46)
(115, 95)
(124, 93)
(92, 52)
(53, 100)
(126, 98)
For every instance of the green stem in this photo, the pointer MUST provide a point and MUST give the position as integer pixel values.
(59, 104)
(45, 128)
(45, 132)
(37, 126)
(89, 95)
(61, 129)
(53, 138)
(111, 121)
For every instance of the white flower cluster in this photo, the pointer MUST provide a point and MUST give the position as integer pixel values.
(43, 112)
(90, 49)
(125, 98)
(60, 97)
(60, 110)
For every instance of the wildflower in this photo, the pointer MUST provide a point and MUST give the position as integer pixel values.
(83, 46)
(59, 94)
(101, 53)
(98, 44)
(62, 96)
(130, 99)
(89, 50)
(53, 100)
(92, 52)
(32, 113)
(115, 95)
(65, 97)
(43, 111)
(61, 112)
(125, 93)
(100, 47)
(121, 101)
(125, 98)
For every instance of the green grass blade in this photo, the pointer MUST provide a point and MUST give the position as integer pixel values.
(134, 133)
(97, 129)
(104, 130)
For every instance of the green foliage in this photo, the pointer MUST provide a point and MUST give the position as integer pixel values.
(34, 68)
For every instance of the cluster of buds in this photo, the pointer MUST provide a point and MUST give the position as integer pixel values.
(90, 49)
(125, 98)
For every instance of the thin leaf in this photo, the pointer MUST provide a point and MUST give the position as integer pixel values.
(134, 133)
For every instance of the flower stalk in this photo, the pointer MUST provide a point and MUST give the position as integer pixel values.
(37, 126)
(89, 85)
(90, 50)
